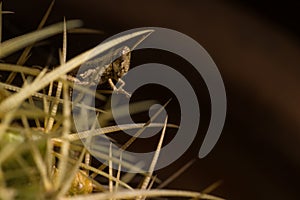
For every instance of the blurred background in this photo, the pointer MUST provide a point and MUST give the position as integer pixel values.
(256, 46)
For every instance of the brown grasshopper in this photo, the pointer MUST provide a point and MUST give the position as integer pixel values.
(97, 74)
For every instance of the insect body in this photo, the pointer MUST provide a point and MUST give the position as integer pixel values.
(95, 74)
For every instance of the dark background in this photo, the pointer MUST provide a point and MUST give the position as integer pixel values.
(256, 46)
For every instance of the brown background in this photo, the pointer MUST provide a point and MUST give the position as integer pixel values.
(256, 47)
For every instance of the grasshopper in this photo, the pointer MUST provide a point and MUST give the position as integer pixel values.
(96, 74)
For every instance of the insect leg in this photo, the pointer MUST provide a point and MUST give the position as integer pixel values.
(120, 89)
